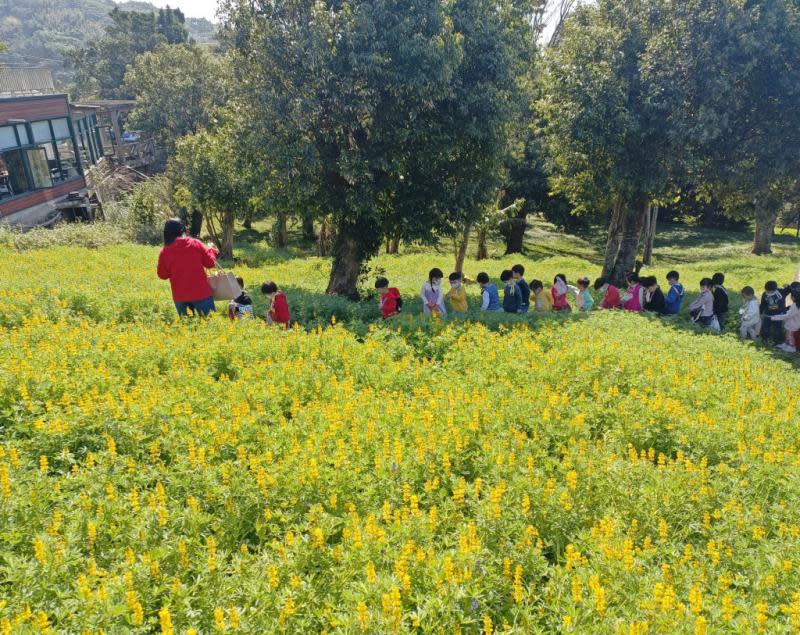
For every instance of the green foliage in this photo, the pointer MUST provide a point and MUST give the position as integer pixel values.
(100, 67)
(177, 89)
(38, 32)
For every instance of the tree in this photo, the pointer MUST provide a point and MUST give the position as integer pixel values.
(609, 146)
(177, 89)
(726, 76)
(100, 67)
(206, 164)
(341, 96)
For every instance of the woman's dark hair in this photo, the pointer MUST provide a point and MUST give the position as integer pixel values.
(456, 275)
(771, 286)
(173, 229)
(435, 273)
(562, 276)
(536, 284)
(381, 283)
(706, 282)
(718, 279)
(483, 277)
(598, 284)
(269, 287)
(506, 275)
(518, 269)
(796, 296)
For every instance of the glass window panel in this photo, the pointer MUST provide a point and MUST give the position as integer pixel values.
(7, 138)
(40, 168)
(22, 131)
(69, 163)
(61, 128)
(13, 179)
(41, 131)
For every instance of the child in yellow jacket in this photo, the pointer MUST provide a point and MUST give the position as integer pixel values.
(457, 294)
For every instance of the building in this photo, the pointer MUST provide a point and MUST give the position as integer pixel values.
(48, 148)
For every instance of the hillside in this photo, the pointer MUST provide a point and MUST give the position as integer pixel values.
(40, 31)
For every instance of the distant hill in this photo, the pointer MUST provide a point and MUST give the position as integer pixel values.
(38, 32)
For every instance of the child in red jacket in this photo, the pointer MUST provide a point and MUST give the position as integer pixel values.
(389, 298)
(278, 312)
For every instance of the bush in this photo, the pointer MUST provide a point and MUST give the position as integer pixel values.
(90, 235)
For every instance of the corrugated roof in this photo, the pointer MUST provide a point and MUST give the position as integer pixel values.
(26, 82)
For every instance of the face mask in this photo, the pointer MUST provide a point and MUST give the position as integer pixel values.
(456, 285)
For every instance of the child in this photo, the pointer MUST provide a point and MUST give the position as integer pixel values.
(675, 294)
(721, 302)
(791, 324)
(771, 305)
(389, 299)
(432, 299)
(653, 296)
(751, 315)
(242, 307)
(542, 301)
(583, 296)
(611, 299)
(490, 298)
(633, 300)
(559, 293)
(278, 311)
(702, 309)
(519, 278)
(512, 296)
(457, 294)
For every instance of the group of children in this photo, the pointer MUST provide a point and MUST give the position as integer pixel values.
(776, 318)
(277, 312)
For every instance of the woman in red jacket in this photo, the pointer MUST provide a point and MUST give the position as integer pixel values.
(183, 261)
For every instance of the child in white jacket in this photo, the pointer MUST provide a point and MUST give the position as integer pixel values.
(791, 325)
(751, 315)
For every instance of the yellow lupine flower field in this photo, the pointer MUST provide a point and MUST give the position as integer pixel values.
(607, 475)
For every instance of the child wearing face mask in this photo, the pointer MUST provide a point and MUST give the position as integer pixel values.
(457, 294)
(432, 298)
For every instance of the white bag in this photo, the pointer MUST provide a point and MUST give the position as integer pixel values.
(224, 285)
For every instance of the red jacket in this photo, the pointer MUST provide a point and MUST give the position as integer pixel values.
(612, 299)
(389, 303)
(280, 310)
(184, 263)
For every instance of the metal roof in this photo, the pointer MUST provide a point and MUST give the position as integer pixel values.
(26, 82)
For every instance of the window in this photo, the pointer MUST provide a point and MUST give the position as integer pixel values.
(61, 129)
(40, 167)
(7, 138)
(13, 179)
(22, 131)
(41, 131)
(68, 168)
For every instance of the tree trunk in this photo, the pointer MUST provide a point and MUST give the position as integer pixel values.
(325, 240)
(483, 249)
(516, 233)
(631, 236)
(281, 233)
(461, 248)
(308, 228)
(228, 221)
(346, 268)
(651, 221)
(614, 237)
(247, 223)
(394, 244)
(762, 242)
(195, 223)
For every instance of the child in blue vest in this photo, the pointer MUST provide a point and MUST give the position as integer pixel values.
(674, 298)
(489, 295)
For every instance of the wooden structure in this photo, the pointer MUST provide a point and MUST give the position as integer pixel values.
(50, 149)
